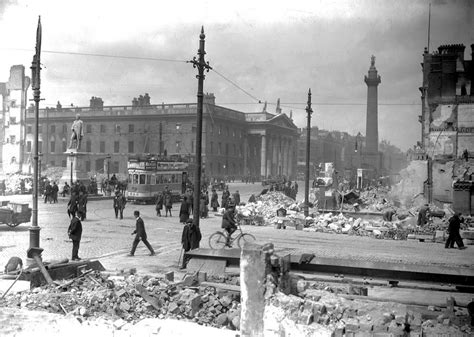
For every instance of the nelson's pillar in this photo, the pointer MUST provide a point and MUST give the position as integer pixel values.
(371, 155)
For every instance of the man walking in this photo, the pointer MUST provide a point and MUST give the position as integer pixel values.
(140, 234)
(453, 229)
(75, 232)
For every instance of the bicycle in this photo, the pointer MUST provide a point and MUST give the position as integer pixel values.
(218, 240)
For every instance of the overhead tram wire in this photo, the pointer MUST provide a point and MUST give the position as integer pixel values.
(101, 55)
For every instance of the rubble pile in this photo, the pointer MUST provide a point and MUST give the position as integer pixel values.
(331, 223)
(265, 209)
(132, 298)
(316, 311)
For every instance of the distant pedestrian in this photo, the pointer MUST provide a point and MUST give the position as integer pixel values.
(225, 197)
(75, 232)
(214, 200)
(119, 204)
(203, 209)
(236, 197)
(72, 205)
(159, 204)
(140, 234)
(54, 192)
(184, 210)
(168, 203)
(453, 230)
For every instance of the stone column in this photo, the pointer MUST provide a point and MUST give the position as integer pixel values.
(253, 270)
(263, 157)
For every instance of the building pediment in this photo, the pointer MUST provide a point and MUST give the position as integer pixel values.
(282, 120)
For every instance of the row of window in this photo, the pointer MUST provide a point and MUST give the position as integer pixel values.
(154, 179)
(218, 129)
(237, 151)
(88, 145)
(88, 128)
(99, 165)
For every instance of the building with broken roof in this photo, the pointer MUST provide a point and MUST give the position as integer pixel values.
(447, 121)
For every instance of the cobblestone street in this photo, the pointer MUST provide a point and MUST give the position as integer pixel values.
(110, 239)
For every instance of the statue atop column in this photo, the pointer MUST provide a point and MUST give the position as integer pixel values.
(372, 61)
(77, 133)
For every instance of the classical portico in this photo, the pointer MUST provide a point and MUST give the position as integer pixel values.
(275, 140)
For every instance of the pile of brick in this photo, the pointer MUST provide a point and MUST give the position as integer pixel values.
(309, 308)
(132, 298)
(264, 210)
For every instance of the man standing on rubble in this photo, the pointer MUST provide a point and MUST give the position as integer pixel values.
(140, 234)
(453, 230)
(75, 232)
(423, 215)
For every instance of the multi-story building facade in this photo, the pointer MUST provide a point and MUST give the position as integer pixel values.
(234, 143)
(347, 153)
(14, 101)
(447, 119)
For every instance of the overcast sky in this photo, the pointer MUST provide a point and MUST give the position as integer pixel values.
(271, 49)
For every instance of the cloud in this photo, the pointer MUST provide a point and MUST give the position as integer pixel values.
(271, 50)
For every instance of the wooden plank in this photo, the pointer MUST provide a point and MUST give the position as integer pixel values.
(209, 266)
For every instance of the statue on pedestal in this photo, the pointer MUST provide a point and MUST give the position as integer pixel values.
(77, 133)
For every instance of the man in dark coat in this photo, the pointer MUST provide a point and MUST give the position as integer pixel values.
(190, 238)
(214, 200)
(184, 210)
(453, 229)
(237, 198)
(140, 234)
(119, 204)
(75, 232)
(229, 223)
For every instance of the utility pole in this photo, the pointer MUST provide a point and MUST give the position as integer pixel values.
(201, 65)
(309, 111)
(35, 71)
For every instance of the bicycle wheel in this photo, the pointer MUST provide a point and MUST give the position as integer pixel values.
(246, 237)
(217, 240)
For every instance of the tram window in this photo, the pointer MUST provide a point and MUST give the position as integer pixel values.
(130, 178)
(142, 179)
(135, 179)
(153, 180)
(148, 179)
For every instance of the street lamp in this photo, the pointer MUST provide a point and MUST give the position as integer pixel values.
(309, 111)
(108, 165)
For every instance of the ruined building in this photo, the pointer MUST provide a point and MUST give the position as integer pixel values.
(13, 114)
(447, 121)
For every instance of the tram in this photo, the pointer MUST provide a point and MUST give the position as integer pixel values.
(149, 175)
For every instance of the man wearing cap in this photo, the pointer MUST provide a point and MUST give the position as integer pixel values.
(228, 222)
(140, 234)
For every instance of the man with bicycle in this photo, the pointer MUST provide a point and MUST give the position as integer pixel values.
(229, 222)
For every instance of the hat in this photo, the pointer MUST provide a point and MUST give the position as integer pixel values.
(190, 220)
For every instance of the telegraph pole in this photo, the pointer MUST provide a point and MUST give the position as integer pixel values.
(201, 65)
(309, 111)
(35, 70)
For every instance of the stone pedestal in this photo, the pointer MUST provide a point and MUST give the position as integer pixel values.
(76, 169)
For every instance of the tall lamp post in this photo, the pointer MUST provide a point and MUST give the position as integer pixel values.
(36, 85)
(309, 111)
(201, 65)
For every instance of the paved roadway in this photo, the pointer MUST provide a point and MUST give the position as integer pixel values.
(110, 239)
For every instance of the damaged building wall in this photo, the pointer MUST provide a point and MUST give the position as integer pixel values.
(442, 172)
(412, 180)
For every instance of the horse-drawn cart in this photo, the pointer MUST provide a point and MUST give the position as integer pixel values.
(12, 214)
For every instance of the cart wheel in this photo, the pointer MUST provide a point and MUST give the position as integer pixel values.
(217, 240)
(12, 224)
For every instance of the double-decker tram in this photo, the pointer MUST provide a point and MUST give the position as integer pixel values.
(149, 175)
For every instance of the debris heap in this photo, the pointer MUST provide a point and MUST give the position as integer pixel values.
(132, 298)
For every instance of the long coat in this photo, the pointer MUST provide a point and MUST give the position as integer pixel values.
(140, 229)
(159, 202)
(191, 237)
(184, 211)
(168, 201)
(75, 229)
(214, 200)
